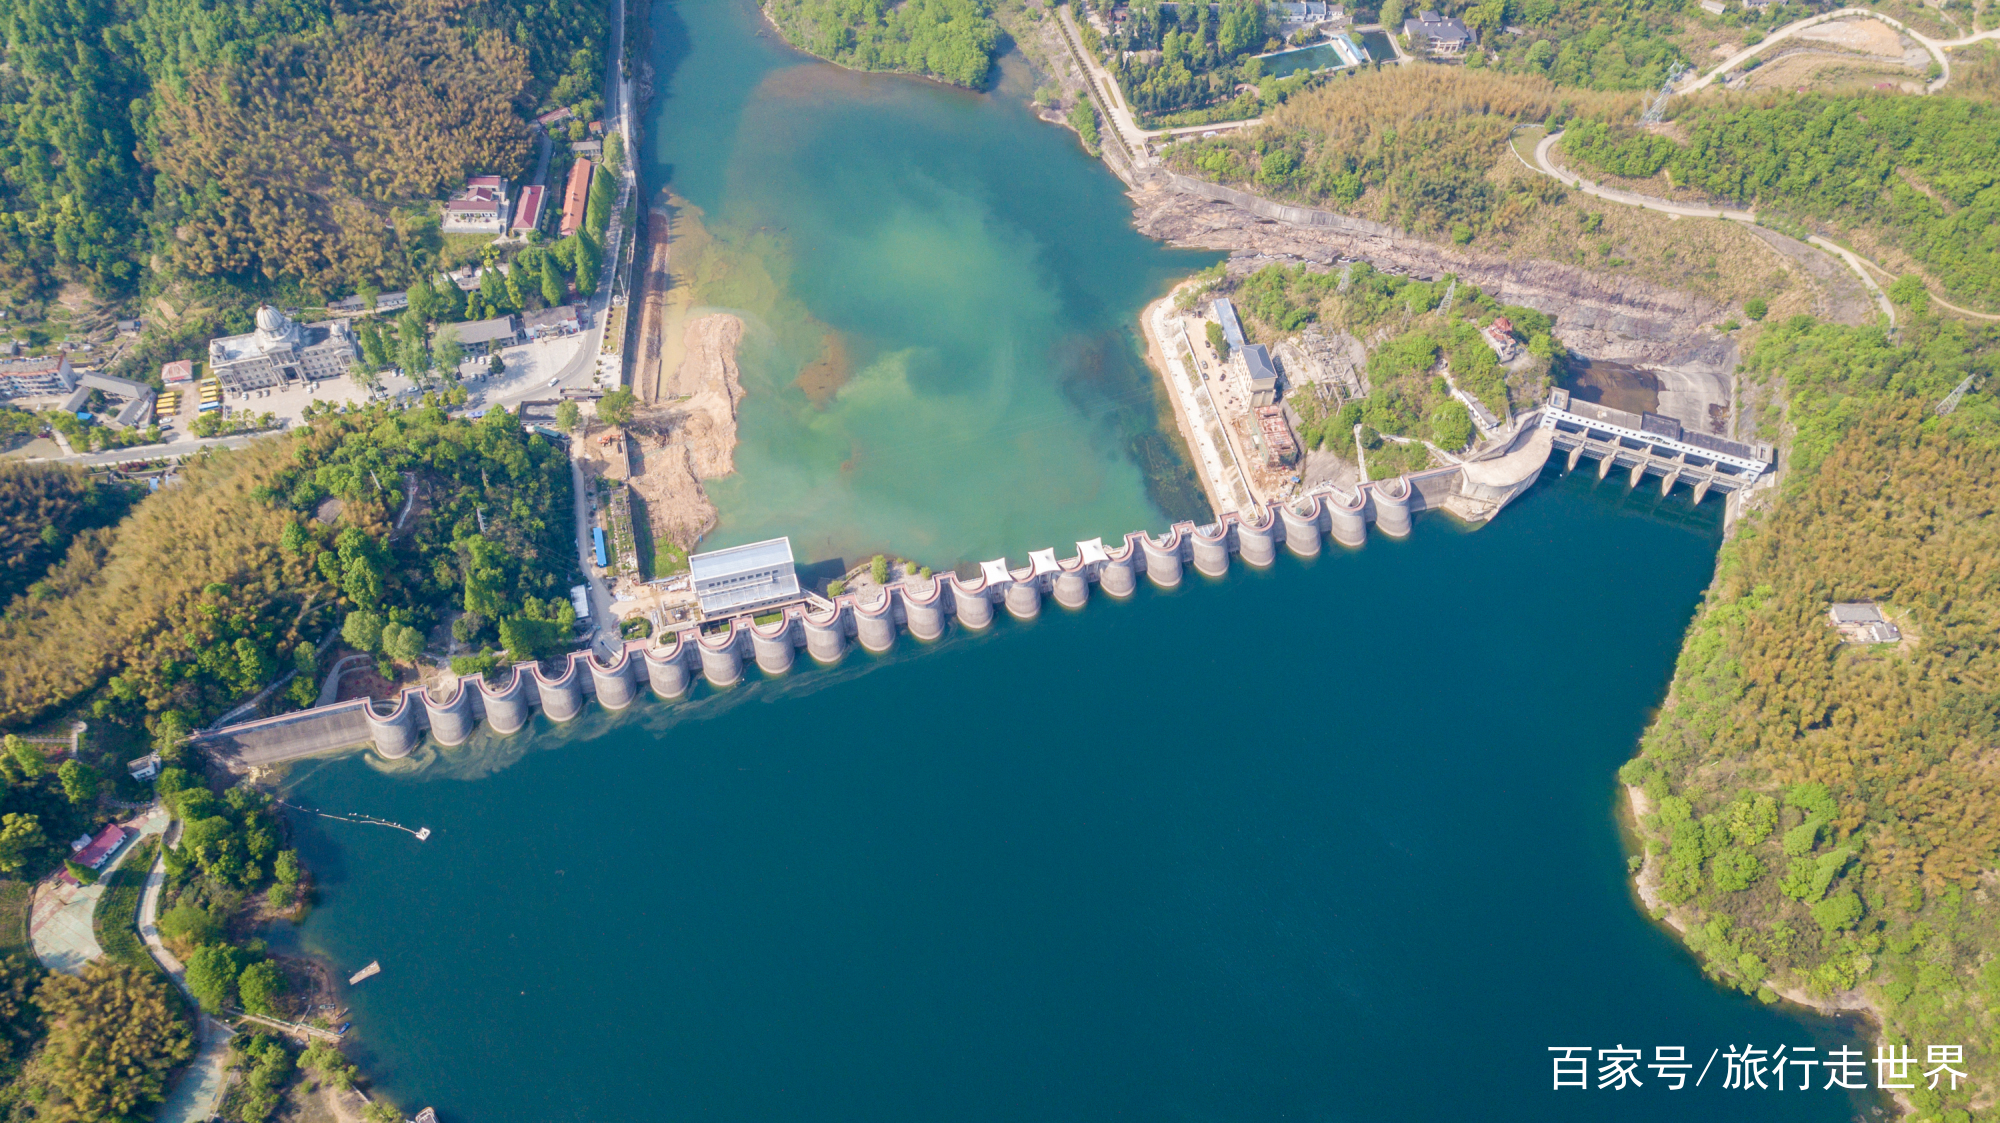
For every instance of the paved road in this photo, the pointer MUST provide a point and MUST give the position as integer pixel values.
(197, 1094)
(60, 926)
(1935, 46)
(1543, 164)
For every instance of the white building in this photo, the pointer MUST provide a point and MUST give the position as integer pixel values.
(741, 578)
(1447, 35)
(481, 208)
(29, 378)
(281, 352)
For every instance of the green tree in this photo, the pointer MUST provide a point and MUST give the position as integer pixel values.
(27, 758)
(114, 1035)
(553, 292)
(1218, 339)
(615, 408)
(323, 1059)
(448, 351)
(540, 630)
(1451, 426)
(567, 415)
(211, 975)
(1083, 118)
(189, 925)
(1756, 307)
(878, 568)
(260, 986)
(20, 836)
(402, 643)
(362, 631)
(80, 781)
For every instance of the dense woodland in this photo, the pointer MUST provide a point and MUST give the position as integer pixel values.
(44, 507)
(1924, 172)
(253, 142)
(1170, 58)
(1588, 44)
(950, 40)
(226, 579)
(1409, 146)
(1822, 815)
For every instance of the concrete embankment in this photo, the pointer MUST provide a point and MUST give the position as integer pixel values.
(923, 607)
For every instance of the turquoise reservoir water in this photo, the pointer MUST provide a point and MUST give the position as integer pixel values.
(942, 297)
(1333, 841)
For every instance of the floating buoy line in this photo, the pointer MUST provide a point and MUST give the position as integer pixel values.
(356, 817)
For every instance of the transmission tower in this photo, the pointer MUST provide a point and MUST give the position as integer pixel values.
(1957, 395)
(1657, 112)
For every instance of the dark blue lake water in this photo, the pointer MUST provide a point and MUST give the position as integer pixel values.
(1330, 841)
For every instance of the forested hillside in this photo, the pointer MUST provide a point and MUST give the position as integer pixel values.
(950, 40)
(1823, 816)
(251, 141)
(1924, 172)
(43, 507)
(216, 585)
(1411, 146)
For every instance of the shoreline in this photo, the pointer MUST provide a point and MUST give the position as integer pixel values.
(1156, 358)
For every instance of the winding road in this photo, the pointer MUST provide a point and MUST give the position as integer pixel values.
(1936, 47)
(1861, 266)
(197, 1092)
(1542, 164)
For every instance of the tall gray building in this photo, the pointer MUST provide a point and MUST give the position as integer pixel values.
(281, 352)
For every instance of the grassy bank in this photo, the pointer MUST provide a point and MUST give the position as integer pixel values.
(116, 922)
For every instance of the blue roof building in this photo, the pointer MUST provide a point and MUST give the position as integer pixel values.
(1232, 329)
(741, 578)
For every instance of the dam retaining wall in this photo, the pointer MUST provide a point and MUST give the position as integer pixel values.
(825, 630)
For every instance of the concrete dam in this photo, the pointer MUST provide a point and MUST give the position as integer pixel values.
(827, 629)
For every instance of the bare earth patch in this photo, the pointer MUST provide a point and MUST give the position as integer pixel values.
(689, 434)
(1868, 36)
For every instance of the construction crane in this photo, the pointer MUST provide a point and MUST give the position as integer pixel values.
(1657, 112)
(1957, 395)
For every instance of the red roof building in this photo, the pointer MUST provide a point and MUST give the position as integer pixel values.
(97, 850)
(528, 211)
(180, 370)
(577, 199)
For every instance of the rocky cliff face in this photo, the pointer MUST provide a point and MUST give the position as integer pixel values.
(1603, 317)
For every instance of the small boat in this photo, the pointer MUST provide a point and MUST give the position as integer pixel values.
(368, 972)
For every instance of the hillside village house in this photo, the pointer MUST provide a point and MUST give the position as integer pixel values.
(281, 352)
(1307, 13)
(480, 208)
(551, 322)
(29, 378)
(483, 336)
(1447, 35)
